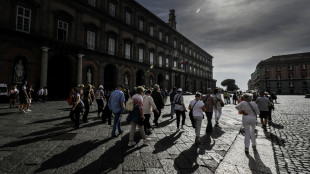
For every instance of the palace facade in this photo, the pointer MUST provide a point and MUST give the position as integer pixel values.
(284, 74)
(62, 43)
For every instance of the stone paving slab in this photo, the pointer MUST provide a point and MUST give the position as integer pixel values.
(27, 145)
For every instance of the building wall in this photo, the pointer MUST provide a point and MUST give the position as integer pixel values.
(81, 17)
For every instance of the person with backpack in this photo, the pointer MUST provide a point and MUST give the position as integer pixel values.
(249, 111)
(171, 95)
(197, 108)
(100, 99)
(209, 102)
(77, 107)
(180, 108)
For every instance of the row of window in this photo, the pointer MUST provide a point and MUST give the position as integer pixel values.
(290, 84)
(24, 19)
(151, 32)
(290, 68)
(290, 75)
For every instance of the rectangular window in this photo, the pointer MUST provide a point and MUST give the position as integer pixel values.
(151, 31)
(279, 84)
(278, 68)
(175, 43)
(128, 18)
(160, 61)
(291, 84)
(62, 30)
(141, 25)
(167, 76)
(278, 76)
(267, 69)
(181, 47)
(152, 58)
(111, 46)
(91, 37)
(167, 62)
(303, 66)
(290, 67)
(160, 36)
(23, 19)
(127, 50)
(112, 9)
(185, 49)
(167, 38)
(291, 76)
(194, 54)
(174, 64)
(190, 69)
(140, 55)
(92, 3)
(190, 52)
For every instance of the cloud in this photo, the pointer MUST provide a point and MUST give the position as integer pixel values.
(240, 33)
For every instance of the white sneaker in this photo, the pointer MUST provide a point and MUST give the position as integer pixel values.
(28, 110)
(131, 143)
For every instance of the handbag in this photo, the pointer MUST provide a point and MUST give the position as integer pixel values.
(134, 115)
(129, 104)
(191, 116)
(69, 100)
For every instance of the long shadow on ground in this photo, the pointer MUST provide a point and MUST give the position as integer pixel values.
(71, 155)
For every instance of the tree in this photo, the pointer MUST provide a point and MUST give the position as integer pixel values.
(230, 84)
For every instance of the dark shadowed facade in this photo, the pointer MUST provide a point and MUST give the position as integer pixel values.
(284, 74)
(60, 44)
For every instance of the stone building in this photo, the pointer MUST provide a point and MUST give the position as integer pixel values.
(284, 74)
(61, 43)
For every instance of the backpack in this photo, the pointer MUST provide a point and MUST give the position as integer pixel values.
(129, 104)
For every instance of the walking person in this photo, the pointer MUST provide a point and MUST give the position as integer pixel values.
(218, 108)
(100, 99)
(12, 96)
(198, 108)
(263, 103)
(92, 96)
(235, 98)
(148, 104)
(159, 102)
(139, 119)
(23, 97)
(209, 102)
(29, 100)
(180, 108)
(171, 95)
(77, 106)
(86, 100)
(117, 106)
(249, 111)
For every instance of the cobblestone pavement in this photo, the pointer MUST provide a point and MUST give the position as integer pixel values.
(290, 134)
(43, 141)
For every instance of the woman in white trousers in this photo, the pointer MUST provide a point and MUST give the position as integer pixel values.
(249, 111)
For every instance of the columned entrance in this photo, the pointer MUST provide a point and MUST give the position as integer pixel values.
(110, 77)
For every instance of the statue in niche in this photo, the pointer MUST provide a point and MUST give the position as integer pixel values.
(89, 75)
(19, 72)
(126, 79)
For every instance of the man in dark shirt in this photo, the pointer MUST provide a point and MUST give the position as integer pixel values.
(159, 102)
(171, 95)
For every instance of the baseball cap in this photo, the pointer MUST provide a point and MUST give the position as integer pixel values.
(180, 90)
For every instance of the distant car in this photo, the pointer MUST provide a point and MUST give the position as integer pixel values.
(4, 93)
(187, 93)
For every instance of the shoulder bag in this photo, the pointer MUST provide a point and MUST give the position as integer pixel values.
(191, 116)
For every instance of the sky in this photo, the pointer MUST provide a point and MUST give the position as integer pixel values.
(239, 33)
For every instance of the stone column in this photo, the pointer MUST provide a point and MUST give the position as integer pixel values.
(44, 66)
(172, 80)
(182, 82)
(79, 68)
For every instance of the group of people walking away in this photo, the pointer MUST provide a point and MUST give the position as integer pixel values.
(142, 102)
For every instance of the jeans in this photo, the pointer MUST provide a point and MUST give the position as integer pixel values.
(198, 121)
(179, 113)
(217, 113)
(249, 123)
(147, 124)
(172, 109)
(209, 118)
(133, 130)
(117, 123)
(100, 105)
(86, 105)
(156, 116)
(75, 116)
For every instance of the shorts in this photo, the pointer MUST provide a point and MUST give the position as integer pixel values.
(23, 100)
(263, 114)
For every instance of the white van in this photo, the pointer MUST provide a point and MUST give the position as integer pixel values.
(4, 93)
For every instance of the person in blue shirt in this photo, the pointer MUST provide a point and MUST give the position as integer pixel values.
(117, 106)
